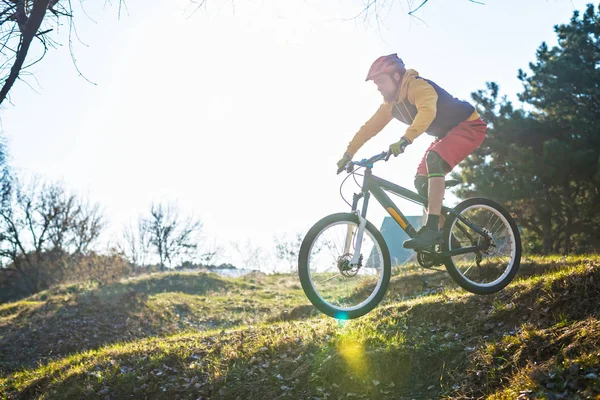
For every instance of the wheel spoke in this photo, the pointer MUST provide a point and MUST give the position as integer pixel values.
(491, 229)
(497, 230)
(468, 269)
(337, 282)
(328, 279)
(497, 260)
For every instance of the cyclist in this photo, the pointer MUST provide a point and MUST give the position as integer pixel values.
(425, 107)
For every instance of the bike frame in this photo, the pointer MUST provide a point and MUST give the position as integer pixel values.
(375, 185)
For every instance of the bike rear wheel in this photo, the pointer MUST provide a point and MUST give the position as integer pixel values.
(485, 271)
(330, 282)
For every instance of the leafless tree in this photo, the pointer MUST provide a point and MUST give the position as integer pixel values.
(24, 22)
(371, 8)
(136, 243)
(287, 249)
(170, 235)
(376, 8)
(252, 257)
(209, 253)
(41, 221)
(5, 177)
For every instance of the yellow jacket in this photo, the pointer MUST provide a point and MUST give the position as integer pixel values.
(422, 105)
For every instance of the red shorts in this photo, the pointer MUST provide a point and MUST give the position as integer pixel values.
(461, 141)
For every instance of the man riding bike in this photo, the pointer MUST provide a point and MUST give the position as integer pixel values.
(425, 107)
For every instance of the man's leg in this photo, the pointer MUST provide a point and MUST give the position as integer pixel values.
(430, 235)
(437, 186)
(436, 168)
(443, 155)
(452, 149)
(422, 186)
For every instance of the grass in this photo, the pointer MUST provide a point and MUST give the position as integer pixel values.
(190, 336)
(74, 318)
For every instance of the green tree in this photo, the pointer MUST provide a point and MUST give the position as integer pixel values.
(544, 162)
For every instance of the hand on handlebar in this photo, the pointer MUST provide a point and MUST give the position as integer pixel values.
(343, 162)
(398, 147)
(348, 165)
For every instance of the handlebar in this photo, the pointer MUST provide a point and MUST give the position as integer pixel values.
(367, 163)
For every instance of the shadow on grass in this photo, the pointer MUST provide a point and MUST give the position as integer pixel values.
(93, 318)
(282, 366)
(194, 284)
(411, 350)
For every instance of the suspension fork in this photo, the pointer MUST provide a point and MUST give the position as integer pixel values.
(361, 226)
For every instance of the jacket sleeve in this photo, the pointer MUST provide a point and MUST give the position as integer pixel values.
(371, 128)
(424, 96)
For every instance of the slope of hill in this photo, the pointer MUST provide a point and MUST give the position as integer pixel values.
(539, 338)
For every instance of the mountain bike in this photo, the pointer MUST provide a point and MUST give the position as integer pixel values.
(344, 262)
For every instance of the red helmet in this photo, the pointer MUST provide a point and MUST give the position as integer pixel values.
(386, 65)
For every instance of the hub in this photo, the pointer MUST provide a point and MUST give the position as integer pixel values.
(486, 242)
(346, 268)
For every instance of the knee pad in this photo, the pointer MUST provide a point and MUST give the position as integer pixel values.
(421, 184)
(436, 166)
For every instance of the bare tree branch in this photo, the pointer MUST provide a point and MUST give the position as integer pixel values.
(136, 246)
(8, 36)
(40, 58)
(27, 83)
(252, 257)
(72, 28)
(288, 249)
(43, 226)
(8, 10)
(171, 235)
(29, 28)
(411, 12)
(20, 23)
(374, 7)
(20, 15)
(198, 5)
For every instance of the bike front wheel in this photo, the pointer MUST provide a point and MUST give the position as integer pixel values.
(331, 282)
(488, 270)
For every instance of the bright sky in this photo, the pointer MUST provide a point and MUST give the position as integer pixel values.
(240, 111)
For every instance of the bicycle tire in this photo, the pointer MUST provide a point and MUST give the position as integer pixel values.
(515, 261)
(305, 275)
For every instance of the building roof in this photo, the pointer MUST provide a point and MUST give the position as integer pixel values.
(394, 235)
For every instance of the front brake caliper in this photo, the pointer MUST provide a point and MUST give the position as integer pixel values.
(360, 260)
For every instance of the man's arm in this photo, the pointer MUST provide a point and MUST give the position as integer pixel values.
(371, 128)
(424, 96)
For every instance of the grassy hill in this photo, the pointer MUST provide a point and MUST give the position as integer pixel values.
(190, 336)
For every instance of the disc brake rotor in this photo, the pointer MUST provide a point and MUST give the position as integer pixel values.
(346, 268)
